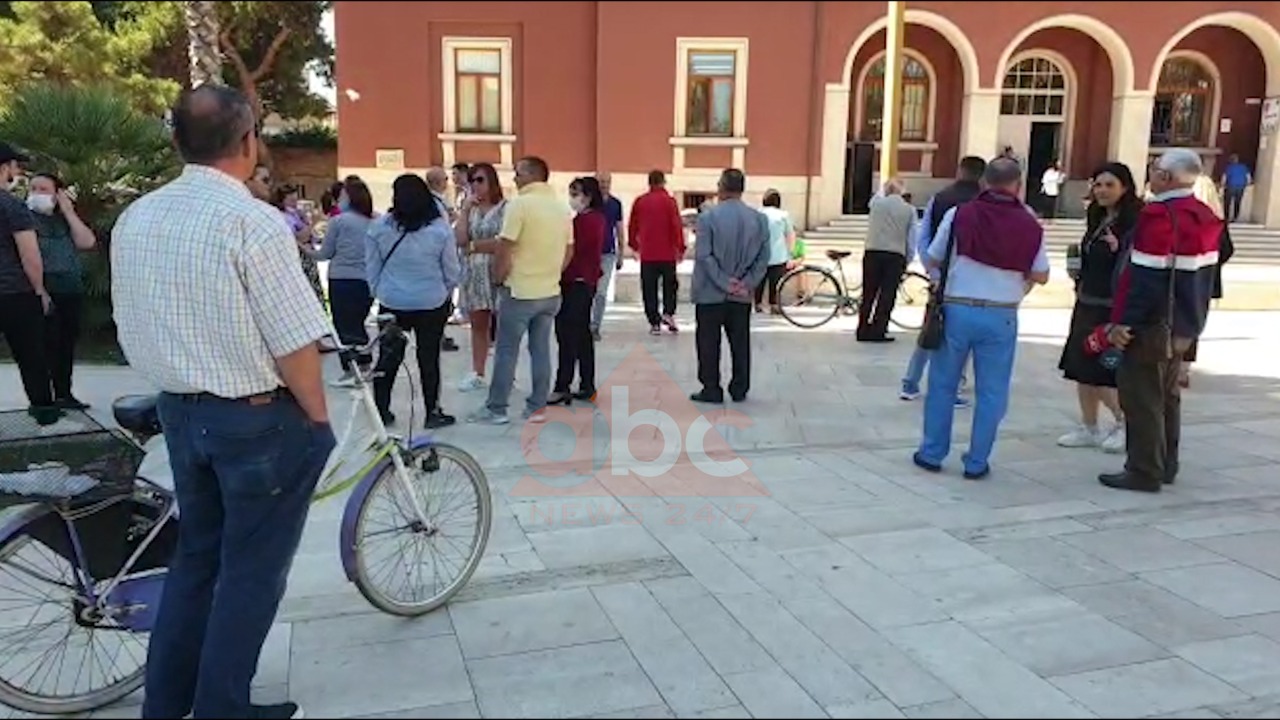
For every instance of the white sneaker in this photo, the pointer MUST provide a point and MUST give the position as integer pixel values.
(1081, 437)
(471, 382)
(1114, 442)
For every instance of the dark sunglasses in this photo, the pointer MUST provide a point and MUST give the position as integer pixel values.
(477, 179)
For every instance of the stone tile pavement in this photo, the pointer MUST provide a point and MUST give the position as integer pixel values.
(857, 587)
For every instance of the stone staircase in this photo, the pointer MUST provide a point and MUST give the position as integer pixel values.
(1255, 245)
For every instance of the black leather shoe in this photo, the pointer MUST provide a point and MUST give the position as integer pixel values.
(448, 345)
(703, 396)
(741, 397)
(1129, 481)
(439, 419)
(923, 464)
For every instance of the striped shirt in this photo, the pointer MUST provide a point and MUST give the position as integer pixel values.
(207, 288)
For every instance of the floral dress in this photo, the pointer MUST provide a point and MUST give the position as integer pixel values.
(478, 291)
(309, 266)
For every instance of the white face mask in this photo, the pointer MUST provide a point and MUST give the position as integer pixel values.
(41, 203)
(578, 203)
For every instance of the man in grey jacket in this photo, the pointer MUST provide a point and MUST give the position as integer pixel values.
(890, 230)
(731, 257)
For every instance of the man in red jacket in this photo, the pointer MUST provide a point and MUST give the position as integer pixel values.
(1161, 303)
(657, 234)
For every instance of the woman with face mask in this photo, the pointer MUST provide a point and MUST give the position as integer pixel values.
(578, 292)
(62, 235)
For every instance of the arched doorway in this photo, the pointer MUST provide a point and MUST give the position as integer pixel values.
(931, 103)
(1037, 99)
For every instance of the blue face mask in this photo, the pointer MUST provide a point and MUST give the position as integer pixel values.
(344, 205)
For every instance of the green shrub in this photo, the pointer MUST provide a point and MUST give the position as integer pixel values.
(107, 152)
(310, 137)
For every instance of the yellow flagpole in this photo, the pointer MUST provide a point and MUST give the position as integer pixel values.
(891, 127)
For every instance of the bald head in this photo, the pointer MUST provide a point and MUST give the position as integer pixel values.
(606, 181)
(437, 179)
(211, 125)
(1003, 173)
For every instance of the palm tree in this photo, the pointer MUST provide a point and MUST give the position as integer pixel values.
(202, 42)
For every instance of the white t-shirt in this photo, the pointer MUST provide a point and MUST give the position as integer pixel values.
(1051, 182)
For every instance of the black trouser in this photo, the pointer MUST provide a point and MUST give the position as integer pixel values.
(1231, 200)
(650, 273)
(349, 300)
(62, 330)
(573, 337)
(881, 276)
(771, 278)
(1152, 405)
(22, 323)
(427, 327)
(1049, 206)
(734, 319)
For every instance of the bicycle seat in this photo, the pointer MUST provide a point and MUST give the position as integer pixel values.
(838, 254)
(138, 414)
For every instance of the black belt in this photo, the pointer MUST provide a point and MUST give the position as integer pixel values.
(265, 398)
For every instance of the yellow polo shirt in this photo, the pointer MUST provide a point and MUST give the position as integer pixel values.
(539, 227)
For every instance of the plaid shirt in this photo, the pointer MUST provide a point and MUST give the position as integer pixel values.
(207, 288)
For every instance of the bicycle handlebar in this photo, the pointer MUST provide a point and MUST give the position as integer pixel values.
(387, 327)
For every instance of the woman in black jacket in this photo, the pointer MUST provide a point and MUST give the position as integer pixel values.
(1112, 215)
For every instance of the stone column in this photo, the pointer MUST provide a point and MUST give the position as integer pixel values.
(979, 123)
(835, 139)
(1130, 137)
(1266, 201)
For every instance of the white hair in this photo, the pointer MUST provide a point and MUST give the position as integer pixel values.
(1183, 164)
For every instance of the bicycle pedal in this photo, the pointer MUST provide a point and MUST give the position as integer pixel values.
(430, 463)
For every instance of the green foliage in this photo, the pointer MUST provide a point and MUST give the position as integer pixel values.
(311, 137)
(105, 150)
(140, 49)
(66, 43)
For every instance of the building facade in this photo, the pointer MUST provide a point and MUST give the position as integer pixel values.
(792, 92)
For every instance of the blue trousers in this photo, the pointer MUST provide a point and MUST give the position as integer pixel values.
(244, 474)
(516, 318)
(990, 335)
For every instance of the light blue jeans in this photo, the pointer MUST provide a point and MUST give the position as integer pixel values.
(608, 265)
(915, 370)
(515, 318)
(990, 335)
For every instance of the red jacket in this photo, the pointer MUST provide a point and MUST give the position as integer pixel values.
(588, 248)
(1156, 255)
(655, 230)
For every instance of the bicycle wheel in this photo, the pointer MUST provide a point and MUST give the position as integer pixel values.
(913, 296)
(810, 296)
(391, 575)
(57, 656)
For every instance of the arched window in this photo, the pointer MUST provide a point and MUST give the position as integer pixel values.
(1034, 86)
(916, 88)
(1184, 102)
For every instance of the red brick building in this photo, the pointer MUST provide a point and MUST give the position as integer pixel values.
(791, 92)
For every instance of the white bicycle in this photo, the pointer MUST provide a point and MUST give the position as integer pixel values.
(436, 499)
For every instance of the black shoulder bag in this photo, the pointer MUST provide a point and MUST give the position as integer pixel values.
(385, 258)
(931, 333)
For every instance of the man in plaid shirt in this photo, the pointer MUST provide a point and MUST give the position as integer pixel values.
(212, 306)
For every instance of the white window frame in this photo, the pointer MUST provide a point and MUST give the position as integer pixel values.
(740, 48)
(449, 103)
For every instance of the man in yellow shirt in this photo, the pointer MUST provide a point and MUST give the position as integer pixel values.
(537, 242)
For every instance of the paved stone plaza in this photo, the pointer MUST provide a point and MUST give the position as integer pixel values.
(855, 586)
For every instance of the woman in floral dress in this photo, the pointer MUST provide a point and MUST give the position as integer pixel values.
(479, 222)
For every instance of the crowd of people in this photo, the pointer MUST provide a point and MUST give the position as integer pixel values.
(1147, 272)
(211, 307)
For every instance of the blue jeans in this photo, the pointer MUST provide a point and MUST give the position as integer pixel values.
(244, 474)
(515, 318)
(915, 369)
(608, 265)
(990, 334)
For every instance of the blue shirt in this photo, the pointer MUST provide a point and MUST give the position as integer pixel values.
(924, 238)
(1236, 176)
(971, 280)
(612, 216)
(422, 272)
